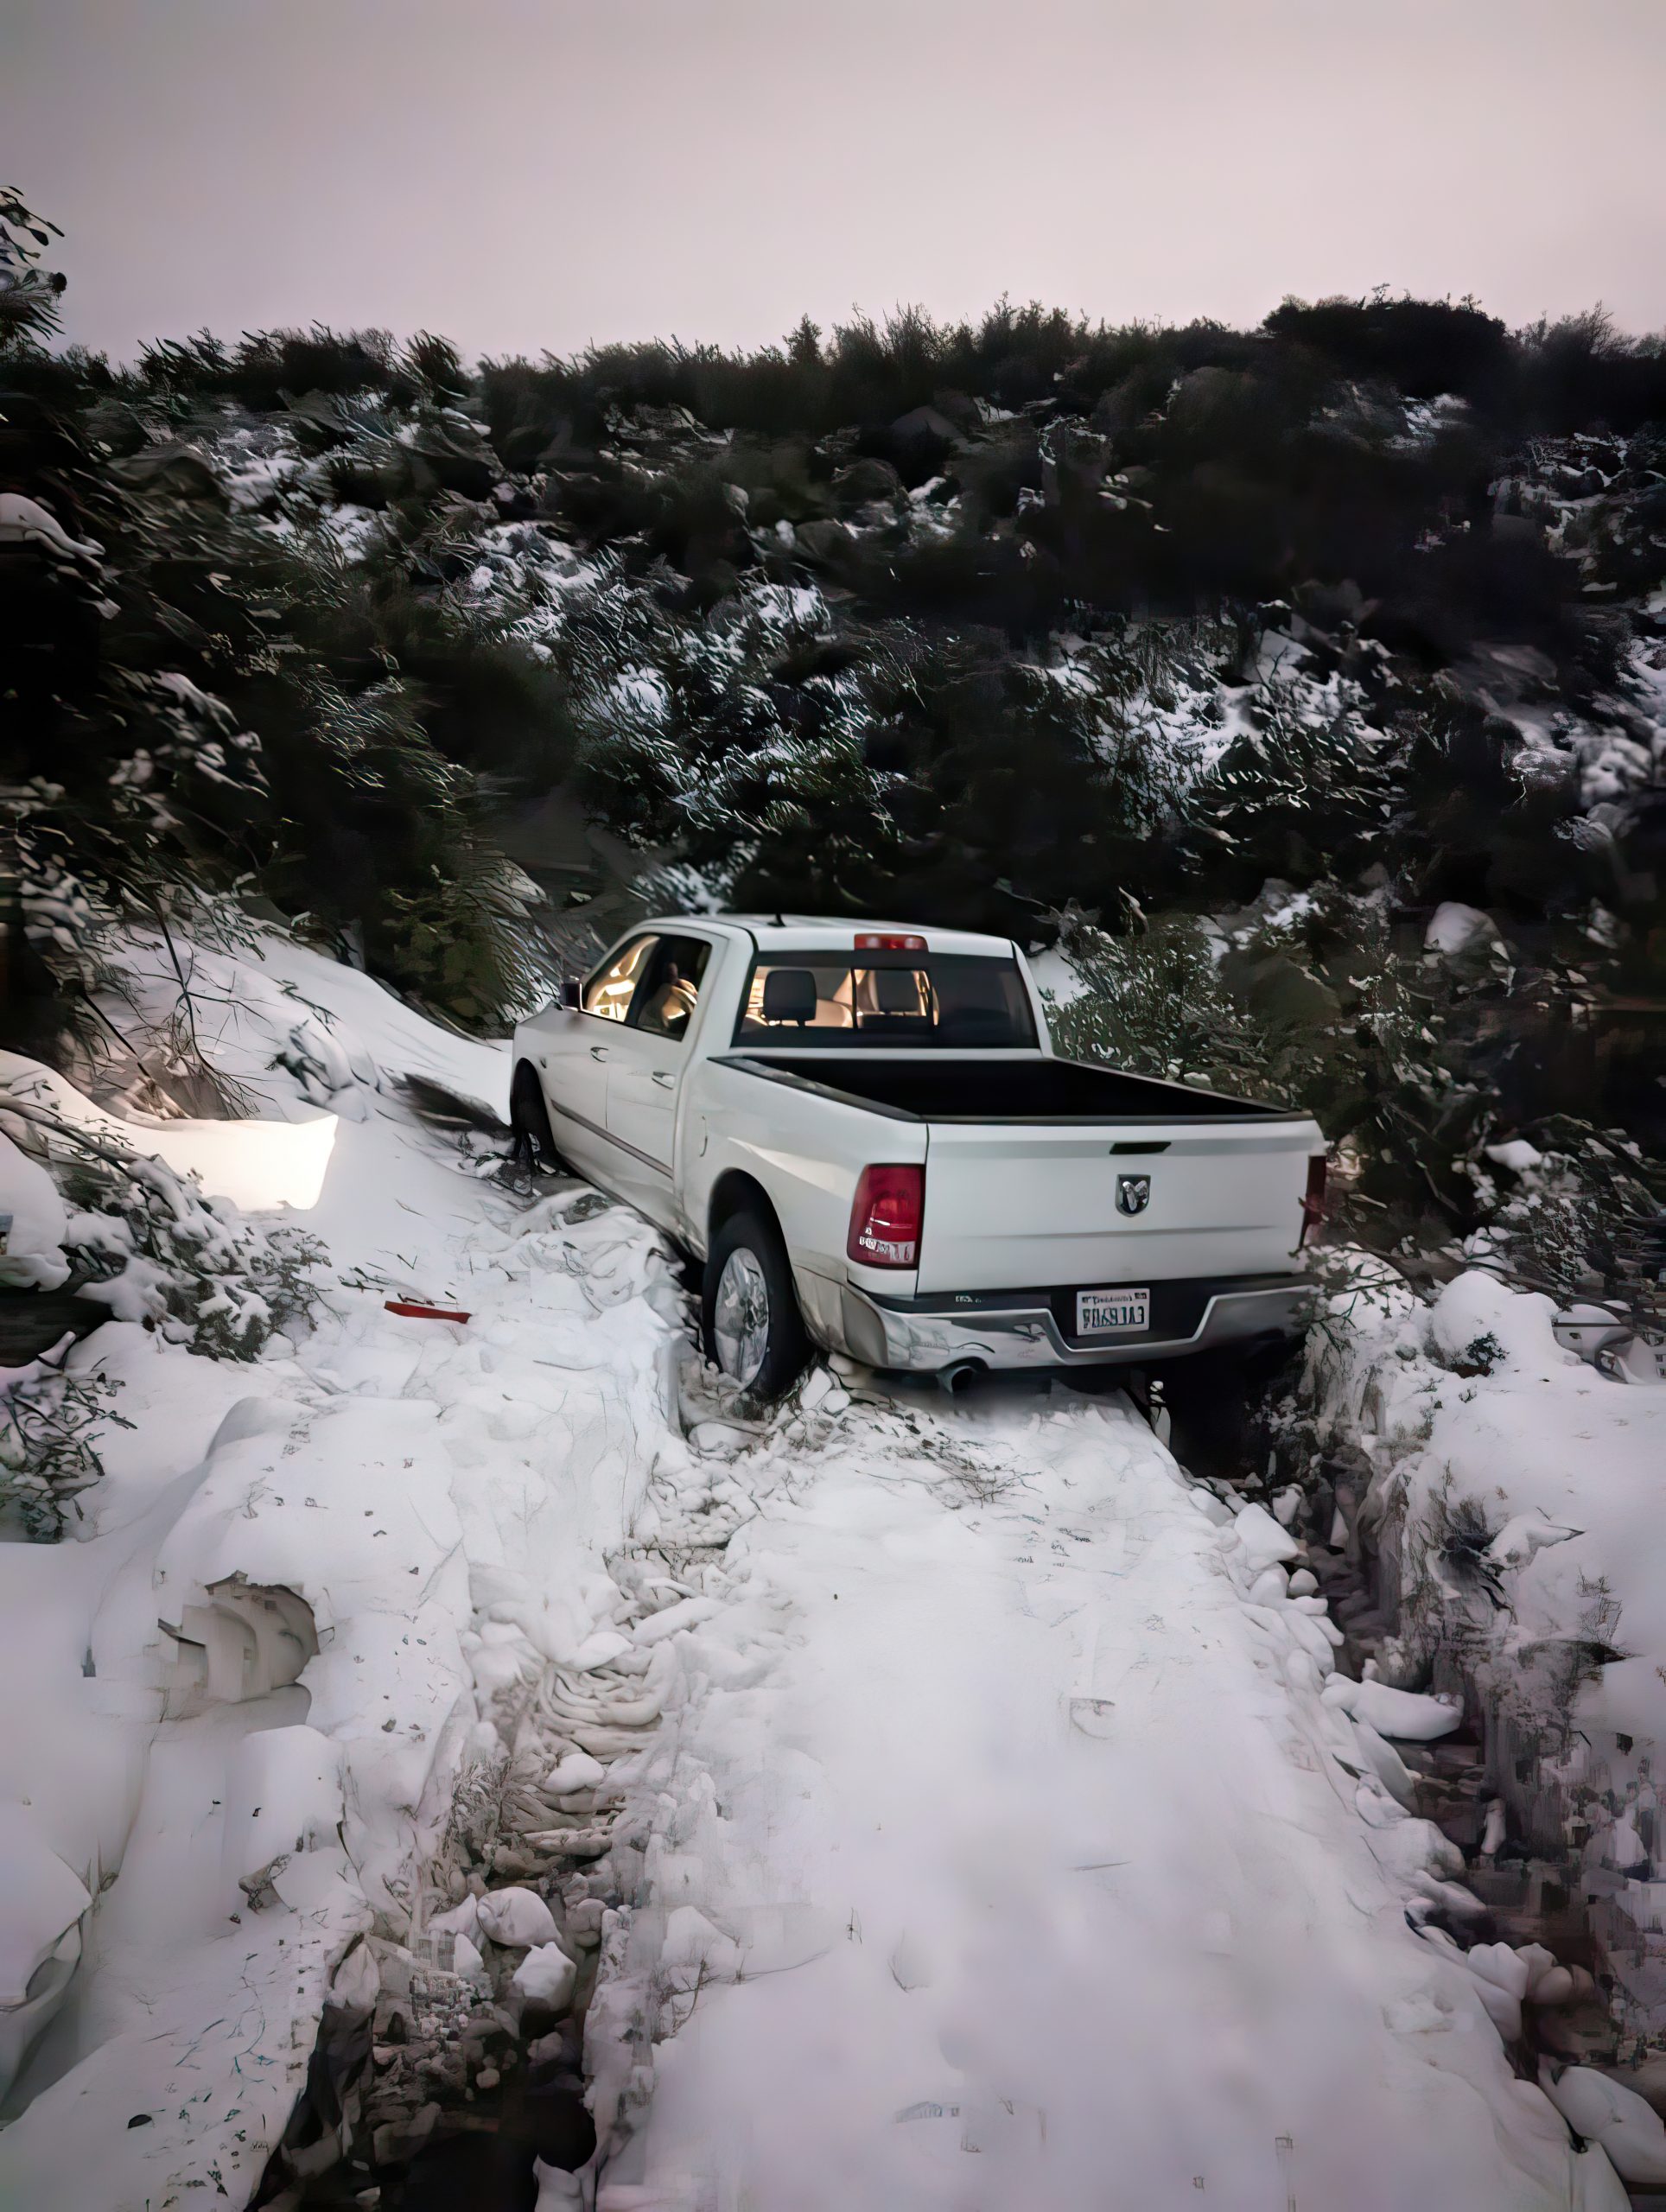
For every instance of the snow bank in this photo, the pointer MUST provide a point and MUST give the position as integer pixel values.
(259, 1680)
(257, 1165)
(1562, 1463)
(1512, 1494)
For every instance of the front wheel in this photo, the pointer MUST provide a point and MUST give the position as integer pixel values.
(748, 1309)
(529, 1118)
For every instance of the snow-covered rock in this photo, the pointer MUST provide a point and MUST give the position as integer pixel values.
(515, 1916)
(546, 1975)
(1455, 930)
(1265, 1541)
(577, 1771)
(1407, 1714)
(1605, 2111)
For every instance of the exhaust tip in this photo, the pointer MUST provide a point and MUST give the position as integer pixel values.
(958, 1373)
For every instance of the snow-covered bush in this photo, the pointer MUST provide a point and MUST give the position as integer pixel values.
(1587, 1220)
(1303, 997)
(153, 1248)
(126, 1232)
(148, 1244)
(48, 1421)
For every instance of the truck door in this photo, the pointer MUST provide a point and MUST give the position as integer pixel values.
(576, 1055)
(645, 1071)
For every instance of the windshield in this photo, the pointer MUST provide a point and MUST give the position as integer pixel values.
(840, 1001)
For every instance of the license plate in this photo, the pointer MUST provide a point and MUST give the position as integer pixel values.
(1101, 1313)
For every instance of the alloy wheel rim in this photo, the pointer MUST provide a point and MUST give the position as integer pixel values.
(740, 1321)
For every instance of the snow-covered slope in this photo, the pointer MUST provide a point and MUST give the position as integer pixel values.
(410, 1482)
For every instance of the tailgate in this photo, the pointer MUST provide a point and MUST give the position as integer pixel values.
(1020, 1206)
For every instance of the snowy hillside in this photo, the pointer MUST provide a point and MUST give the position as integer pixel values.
(485, 1716)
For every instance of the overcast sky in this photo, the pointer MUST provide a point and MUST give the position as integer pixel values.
(532, 174)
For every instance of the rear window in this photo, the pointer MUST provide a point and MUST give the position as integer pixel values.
(916, 1000)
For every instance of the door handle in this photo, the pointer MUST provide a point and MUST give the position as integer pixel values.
(662, 1079)
(598, 1051)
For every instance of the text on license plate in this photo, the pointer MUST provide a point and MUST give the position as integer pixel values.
(1099, 1312)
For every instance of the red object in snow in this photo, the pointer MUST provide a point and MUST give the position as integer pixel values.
(422, 1313)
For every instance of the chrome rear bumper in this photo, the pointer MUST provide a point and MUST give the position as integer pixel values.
(914, 1336)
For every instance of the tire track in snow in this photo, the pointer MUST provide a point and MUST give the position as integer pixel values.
(997, 1843)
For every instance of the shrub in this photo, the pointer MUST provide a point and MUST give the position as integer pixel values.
(48, 1421)
(1423, 348)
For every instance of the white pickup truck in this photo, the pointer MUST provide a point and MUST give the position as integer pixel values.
(863, 1132)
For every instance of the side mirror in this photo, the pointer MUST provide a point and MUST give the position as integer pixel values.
(572, 993)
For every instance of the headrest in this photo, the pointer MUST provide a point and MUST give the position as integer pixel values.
(896, 990)
(790, 995)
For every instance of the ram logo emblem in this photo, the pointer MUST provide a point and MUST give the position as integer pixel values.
(1133, 1193)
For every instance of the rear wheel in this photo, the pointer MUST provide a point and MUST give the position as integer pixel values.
(749, 1310)
(529, 1118)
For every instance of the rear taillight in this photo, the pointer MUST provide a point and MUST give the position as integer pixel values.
(886, 1217)
(1312, 1199)
(874, 941)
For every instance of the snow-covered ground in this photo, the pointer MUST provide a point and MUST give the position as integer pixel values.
(989, 1826)
(1007, 1847)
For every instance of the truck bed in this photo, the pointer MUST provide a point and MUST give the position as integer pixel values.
(1044, 1172)
(959, 1090)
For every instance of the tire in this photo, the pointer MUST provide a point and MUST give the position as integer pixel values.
(748, 1281)
(529, 1118)
(1213, 1400)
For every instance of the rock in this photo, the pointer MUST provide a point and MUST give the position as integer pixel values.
(1395, 1714)
(462, 1919)
(1625, 2125)
(1516, 1154)
(393, 1964)
(1498, 1964)
(1461, 933)
(823, 541)
(558, 2191)
(1262, 1539)
(578, 1770)
(546, 1976)
(865, 481)
(505, 1859)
